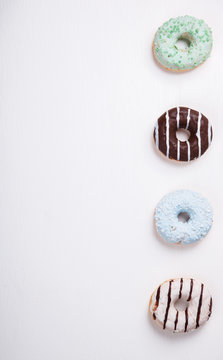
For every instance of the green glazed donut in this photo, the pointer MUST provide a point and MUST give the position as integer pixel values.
(195, 32)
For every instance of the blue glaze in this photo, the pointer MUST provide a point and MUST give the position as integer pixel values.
(176, 232)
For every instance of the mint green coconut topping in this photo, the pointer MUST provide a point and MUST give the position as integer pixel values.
(195, 32)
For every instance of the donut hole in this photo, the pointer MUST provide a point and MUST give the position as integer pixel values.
(183, 217)
(181, 304)
(183, 43)
(182, 134)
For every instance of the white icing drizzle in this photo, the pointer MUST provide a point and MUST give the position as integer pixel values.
(178, 150)
(157, 134)
(167, 134)
(198, 134)
(178, 117)
(188, 150)
(188, 119)
(209, 133)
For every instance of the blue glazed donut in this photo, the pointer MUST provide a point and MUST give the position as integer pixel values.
(183, 217)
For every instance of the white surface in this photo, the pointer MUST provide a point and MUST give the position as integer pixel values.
(79, 96)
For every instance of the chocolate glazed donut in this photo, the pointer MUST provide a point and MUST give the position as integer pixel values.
(182, 118)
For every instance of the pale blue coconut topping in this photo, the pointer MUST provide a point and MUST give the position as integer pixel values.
(199, 214)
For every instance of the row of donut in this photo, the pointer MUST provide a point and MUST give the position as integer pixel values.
(193, 226)
(182, 217)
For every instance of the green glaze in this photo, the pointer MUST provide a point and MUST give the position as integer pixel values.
(186, 27)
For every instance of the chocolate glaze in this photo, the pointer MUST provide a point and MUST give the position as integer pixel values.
(191, 289)
(176, 320)
(182, 118)
(186, 320)
(168, 305)
(199, 307)
(181, 286)
(156, 302)
(210, 308)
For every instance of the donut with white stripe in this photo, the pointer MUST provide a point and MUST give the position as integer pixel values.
(177, 118)
(164, 305)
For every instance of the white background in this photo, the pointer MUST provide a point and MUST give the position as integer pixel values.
(80, 178)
